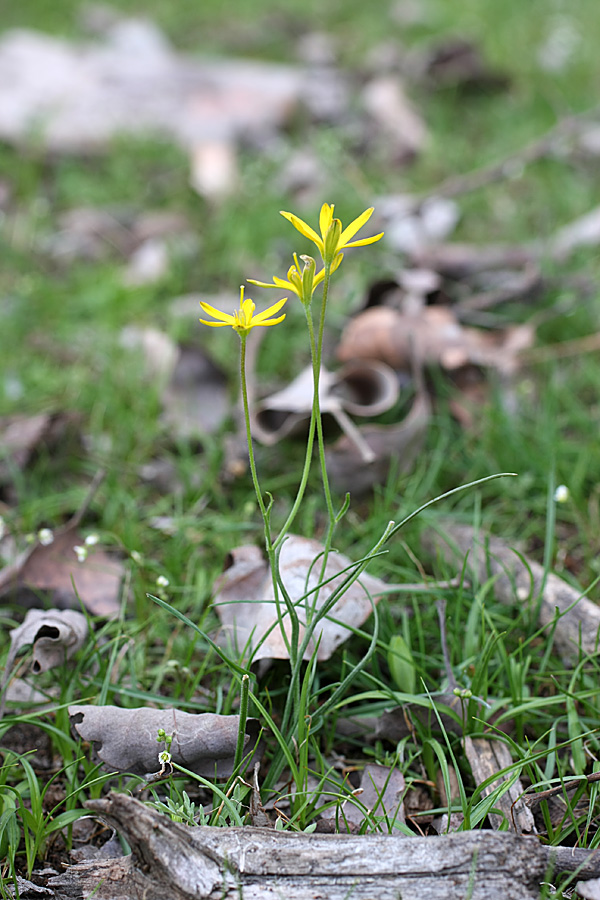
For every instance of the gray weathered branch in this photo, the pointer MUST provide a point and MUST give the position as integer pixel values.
(178, 862)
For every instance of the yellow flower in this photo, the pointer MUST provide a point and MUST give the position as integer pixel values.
(333, 239)
(302, 283)
(243, 318)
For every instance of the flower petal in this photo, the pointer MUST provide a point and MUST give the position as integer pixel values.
(303, 228)
(271, 322)
(336, 262)
(216, 324)
(325, 217)
(260, 318)
(355, 226)
(364, 241)
(247, 308)
(216, 313)
(267, 284)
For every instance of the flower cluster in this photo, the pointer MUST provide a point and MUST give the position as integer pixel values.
(301, 280)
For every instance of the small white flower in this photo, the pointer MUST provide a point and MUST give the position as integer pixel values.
(91, 540)
(45, 537)
(81, 553)
(162, 581)
(136, 557)
(561, 494)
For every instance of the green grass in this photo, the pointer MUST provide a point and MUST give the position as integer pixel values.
(60, 350)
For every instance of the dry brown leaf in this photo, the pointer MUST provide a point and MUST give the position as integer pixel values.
(245, 603)
(571, 618)
(433, 335)
(361, 388)
(397, 723)
(148, 263)
(22, 436)
(54, 569)
(196, 399)
(55, 636)
(92, 232)
(381, 792)
(126, 739)
(582, 232)
(399, 442)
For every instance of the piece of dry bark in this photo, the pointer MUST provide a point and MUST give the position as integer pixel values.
(126, 739)
(171, 860)
(245, 604)
(520, 580)
(486, 758)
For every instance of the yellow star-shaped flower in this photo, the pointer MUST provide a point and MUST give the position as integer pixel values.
(333, 239)
(303, 282)
(243, 319)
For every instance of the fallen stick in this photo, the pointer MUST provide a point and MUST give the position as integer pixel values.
(175, 861)
(573, 619)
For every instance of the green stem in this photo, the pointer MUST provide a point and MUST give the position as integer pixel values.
(291, 644)
(305, 471)
(255, 480)
(241, 738)
(317, 405)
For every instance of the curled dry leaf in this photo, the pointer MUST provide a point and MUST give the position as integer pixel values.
(246, 606)
(126, 739)
(54, 634)
(400, 442)
(363, 388)
(54, 569)
(433, 335)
